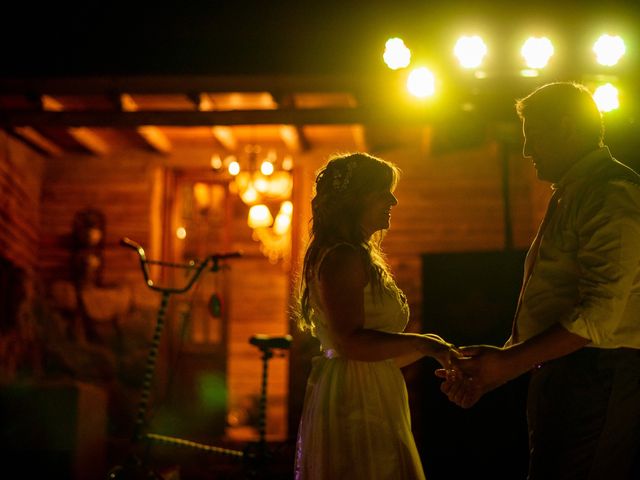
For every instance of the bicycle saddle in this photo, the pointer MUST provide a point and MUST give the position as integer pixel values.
(270, 341)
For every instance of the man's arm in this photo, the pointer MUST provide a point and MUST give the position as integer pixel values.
(489, 367)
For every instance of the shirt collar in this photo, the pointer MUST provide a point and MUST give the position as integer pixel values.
(584, 167)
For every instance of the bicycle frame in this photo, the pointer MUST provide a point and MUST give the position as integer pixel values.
(264, 342)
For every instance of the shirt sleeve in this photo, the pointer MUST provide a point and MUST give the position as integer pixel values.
(608, 227)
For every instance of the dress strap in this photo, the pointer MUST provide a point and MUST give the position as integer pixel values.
(330, 249)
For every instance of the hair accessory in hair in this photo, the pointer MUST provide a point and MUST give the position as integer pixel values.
(341, 179)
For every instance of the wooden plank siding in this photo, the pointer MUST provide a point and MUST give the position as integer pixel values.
(21, 171)
(447, 202)
(122, 187)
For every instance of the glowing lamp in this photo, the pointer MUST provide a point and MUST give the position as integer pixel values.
(396, 54)
(266, 168)
(234, 168)
(421, 82)
(537, 51)
(609, 50)
(606, 98)
(259, 217)
(470, 51)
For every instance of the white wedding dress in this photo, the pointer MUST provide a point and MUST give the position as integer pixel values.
(355, 422)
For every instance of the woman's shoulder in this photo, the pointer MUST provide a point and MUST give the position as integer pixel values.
(343, 258)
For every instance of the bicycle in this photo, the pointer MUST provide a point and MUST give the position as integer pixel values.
(256, 455)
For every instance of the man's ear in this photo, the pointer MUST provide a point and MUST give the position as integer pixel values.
(569, 132)
(567, 126)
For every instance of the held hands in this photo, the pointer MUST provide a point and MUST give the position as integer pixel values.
(478, 370)
(442, 351)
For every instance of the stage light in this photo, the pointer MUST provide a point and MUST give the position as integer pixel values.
(606, 97)
(609, 49)
(537, 51)
(396, 54)
(421, 82)
(470, 51)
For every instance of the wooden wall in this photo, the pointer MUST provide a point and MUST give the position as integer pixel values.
(133, 190)
(21, 171)
(121, 186)
(447, 202)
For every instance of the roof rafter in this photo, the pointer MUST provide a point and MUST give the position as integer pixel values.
(316, 116)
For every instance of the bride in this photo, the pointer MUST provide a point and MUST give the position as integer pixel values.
(355, 422)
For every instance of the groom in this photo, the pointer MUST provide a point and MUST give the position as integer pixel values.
(577, 323)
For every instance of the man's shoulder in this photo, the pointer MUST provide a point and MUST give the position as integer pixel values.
(609, 174)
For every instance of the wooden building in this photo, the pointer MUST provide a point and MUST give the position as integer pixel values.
(149, 156)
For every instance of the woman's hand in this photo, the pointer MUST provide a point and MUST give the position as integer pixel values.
(441, 350)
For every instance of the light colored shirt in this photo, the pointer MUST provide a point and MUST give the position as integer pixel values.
(587, 271)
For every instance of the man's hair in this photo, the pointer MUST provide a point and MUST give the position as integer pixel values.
(550, 103)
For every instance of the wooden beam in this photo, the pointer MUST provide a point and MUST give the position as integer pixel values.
(223, 134)
(324, 116)
(35, 139)
(190, 83)
(82, 134)
(360, 137)
(294, 138)
(150, 133)
(292, 135)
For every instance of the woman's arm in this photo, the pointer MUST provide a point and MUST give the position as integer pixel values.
(343, 278)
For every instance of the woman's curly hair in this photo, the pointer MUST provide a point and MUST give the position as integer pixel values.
(340, 195)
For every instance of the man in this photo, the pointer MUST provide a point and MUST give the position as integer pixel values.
(577, 324)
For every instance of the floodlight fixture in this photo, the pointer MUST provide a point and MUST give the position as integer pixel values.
(470, 51)
(609, 50)
(396, 54)
(537, 51)
(606, 97)
(421, 82)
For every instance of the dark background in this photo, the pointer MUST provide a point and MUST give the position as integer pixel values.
(285, 37)
(117, 37)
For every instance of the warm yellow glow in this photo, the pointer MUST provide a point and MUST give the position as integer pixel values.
(281, 223)
(396, 54)
(279, 185)
(283, 219)
(537, 51)
(421, 82)
(606, 98)
(470, 51)
(287, 162)
(234, 168)
(266, 168)
(202, 194)
(249, 196)
(260, 217)
(287, 207)
(260, 183)
(609, 50)
(216, 162)
(181, 233)
(529, 72)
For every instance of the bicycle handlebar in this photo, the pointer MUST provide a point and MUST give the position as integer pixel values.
(197, 266)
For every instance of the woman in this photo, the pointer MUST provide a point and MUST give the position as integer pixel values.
(355, 422)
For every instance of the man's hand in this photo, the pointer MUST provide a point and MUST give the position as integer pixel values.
(482, 369)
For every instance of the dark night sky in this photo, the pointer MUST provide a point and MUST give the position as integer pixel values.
(269, 36)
